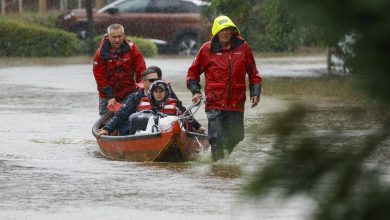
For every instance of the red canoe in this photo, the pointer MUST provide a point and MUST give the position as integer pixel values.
(172, 145)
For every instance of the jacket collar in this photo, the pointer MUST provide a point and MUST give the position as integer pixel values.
(217, 47)
(106, 53)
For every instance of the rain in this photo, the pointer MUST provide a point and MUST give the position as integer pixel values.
(321, 116)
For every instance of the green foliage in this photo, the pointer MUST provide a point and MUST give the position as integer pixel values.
(371, 21)
(48, 20)
(280, 33)
(268, 25)
(235, 9)
(147, 47)
(20, 38)
(332, 169)
(314, 165)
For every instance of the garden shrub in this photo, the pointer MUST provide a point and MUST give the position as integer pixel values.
(19, 38)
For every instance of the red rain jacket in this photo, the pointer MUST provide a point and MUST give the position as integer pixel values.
(225, 74)
(117, 73)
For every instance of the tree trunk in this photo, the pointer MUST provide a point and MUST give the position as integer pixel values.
(100, 3)
(63, 4)
(20, 8)
(328, 60)
(3, 3)
(90, 27)
(42, 7)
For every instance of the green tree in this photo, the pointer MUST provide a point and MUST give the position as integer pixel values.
(90, 27)
(268, 25)
(341, 183)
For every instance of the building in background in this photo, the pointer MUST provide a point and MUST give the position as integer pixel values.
(44, 6)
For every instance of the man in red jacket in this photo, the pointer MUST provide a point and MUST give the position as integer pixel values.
(117, 66)
(226, 60)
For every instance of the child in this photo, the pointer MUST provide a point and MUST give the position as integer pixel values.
(157, 104)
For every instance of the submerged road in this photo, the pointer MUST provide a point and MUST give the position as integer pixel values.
(50, 167)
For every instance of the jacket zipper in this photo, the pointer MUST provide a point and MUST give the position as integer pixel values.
(230, 80)
(118, 69)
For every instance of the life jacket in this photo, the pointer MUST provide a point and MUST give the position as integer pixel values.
(169, 108)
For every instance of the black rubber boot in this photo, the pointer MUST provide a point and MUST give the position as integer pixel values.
(216, 152)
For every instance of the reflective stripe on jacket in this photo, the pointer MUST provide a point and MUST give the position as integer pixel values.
(225, 74)
(117, 73)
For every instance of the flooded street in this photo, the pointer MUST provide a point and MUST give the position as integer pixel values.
(50, 167)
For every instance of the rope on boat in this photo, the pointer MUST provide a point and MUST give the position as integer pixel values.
(188, 114)
(201, 147)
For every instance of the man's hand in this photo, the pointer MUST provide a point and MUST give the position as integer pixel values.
(102, 132)
(111, 102)
(255, 101)
(196, 98)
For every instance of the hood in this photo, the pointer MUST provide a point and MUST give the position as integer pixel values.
(222, 22)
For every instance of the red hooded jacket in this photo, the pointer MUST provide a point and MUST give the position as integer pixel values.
(117, 73)
(225, 74)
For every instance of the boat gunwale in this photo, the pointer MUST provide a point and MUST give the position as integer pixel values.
(97, 124)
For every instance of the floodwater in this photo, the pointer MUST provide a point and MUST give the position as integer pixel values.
(50, 166)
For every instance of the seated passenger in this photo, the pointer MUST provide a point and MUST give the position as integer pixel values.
(192, 123)
(156, 105)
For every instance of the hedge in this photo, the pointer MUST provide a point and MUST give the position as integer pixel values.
(20, 36)
(27, 39)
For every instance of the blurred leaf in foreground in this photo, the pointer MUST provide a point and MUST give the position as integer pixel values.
(341, 182)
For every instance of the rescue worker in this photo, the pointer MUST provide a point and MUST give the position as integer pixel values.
(117, 66)
(226, 60)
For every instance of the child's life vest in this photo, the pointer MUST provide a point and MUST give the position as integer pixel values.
(169, 108)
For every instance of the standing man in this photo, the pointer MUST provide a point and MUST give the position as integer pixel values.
(117, 66)
(226, 60)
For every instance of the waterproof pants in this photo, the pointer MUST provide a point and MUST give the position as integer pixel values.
(225, 130)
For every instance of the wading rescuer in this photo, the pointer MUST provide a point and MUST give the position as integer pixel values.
(226, 60)
(117, 66)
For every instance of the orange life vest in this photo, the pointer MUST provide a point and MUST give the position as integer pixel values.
(169, 107)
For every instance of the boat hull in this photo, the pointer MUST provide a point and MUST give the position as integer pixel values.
(172, 145)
